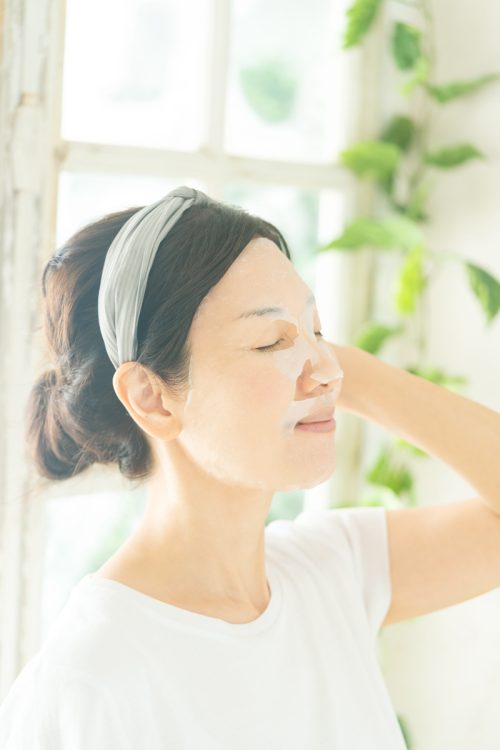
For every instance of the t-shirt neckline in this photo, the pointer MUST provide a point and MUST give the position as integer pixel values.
(174, 614)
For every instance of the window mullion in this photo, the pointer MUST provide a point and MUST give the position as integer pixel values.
(91, 157)
(216, 92)
(30, 91)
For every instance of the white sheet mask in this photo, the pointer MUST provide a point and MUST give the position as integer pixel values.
(243, 404)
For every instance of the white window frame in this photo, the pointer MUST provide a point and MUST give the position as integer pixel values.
(33, 154)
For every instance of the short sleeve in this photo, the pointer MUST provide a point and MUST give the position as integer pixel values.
(367, 533)
(353, 537)
(73, 712)
(87, 717)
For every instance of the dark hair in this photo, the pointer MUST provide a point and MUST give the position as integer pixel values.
(73, 416)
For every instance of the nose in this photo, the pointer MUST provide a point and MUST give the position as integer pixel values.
(326, 375)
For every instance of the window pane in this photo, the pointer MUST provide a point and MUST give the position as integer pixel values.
(298, 213)
(135, 72)
(85, 196)
(83, 531)
(287, 88)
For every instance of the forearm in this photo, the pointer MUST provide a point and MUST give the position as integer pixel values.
(454, 429)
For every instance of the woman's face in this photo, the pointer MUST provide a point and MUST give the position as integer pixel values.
(242, 405)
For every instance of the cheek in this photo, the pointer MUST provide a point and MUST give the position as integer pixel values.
(256, 387)
(252, 385)
(264, 384)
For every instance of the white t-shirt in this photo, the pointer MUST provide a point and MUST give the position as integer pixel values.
(120, 670)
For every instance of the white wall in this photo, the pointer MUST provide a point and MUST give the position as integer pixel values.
(443, 669)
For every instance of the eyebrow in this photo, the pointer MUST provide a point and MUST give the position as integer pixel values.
(258, 311)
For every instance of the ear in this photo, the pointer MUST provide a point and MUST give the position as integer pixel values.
(146, 401)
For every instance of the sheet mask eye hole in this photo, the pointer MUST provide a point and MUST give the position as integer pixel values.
(270, 347)
(273, 346)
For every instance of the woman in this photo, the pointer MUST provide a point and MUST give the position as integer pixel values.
(189, 352)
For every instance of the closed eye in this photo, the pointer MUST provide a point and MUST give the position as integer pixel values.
(273, 346)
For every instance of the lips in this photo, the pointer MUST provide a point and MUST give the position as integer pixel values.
(319, 416)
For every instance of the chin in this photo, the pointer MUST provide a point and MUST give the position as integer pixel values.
(310, 478)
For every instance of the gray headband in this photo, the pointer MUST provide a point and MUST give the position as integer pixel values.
(127, 266)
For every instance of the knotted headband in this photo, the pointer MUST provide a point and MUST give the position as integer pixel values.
(127, 265)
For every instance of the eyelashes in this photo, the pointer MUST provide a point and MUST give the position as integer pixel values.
(273, 346)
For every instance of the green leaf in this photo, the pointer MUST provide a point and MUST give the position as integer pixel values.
(389, 233)
(404, 232)
(361, 233)
(373, 335)
(270, 89)
(397, 232)
(373, 159)
(486, 288)
(387, 184)
(405, 45)
(399, 131)
(453, 156)
(415, 209)
(408, 739)
(360, 17)
(390, 471)
(421, 72)
(449, 91)
(410, 281)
